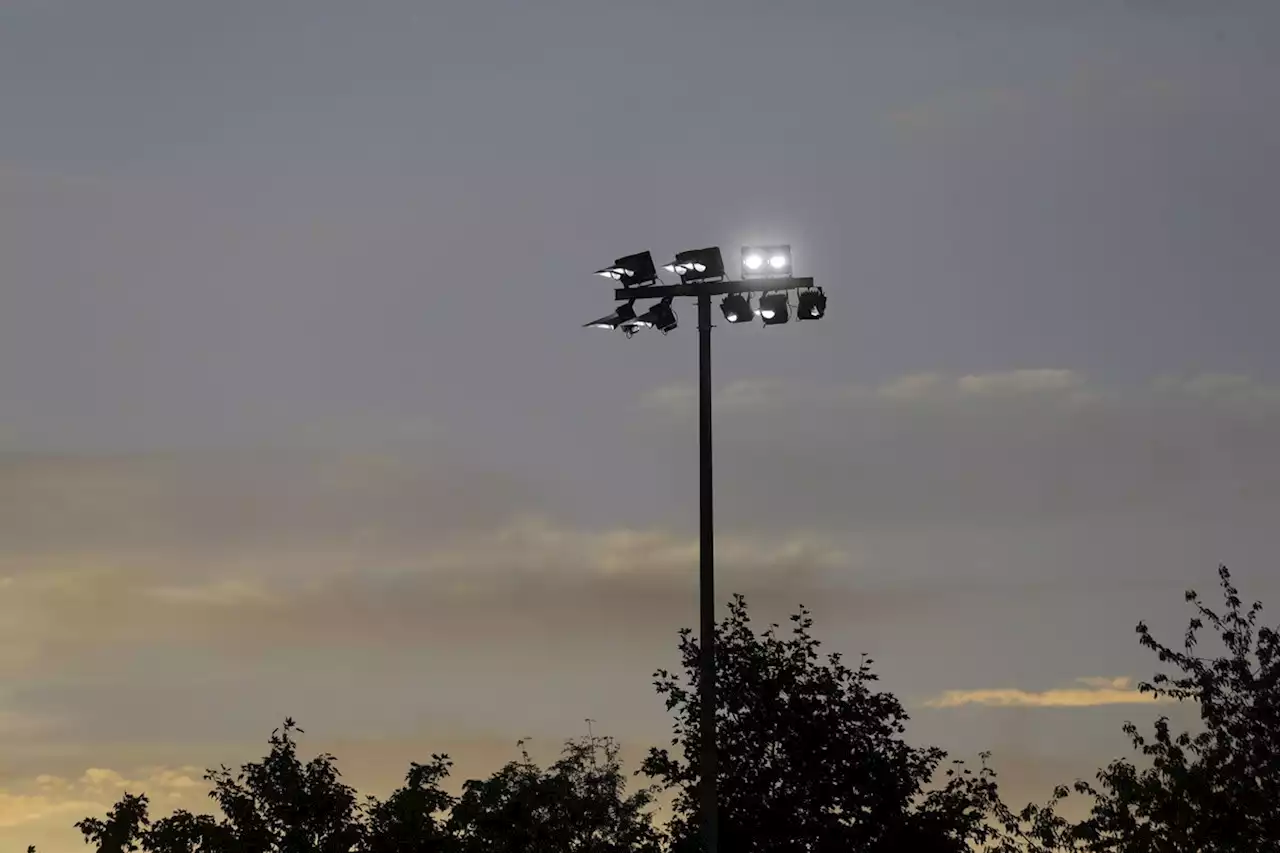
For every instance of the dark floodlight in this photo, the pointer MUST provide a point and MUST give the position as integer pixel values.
(631, 270)
(773, 308)
(766, 262)
(620, 318)
(659, 316)
(737, 308)
(812, 305)
(698, 264)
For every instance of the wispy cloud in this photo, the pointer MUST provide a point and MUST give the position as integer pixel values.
(1001, 448)
(1089, 88)
(1094, 691)
(59, 799)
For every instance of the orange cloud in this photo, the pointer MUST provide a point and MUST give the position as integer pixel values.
(58, 800)
(1094, 691)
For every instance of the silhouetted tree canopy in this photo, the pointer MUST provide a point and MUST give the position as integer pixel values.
(811, 755)
(413, 819)
(579, 805)
(282, 805)
(276, 805)
(812, 759)
(1214, 791)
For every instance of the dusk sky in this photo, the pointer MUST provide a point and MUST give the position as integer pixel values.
(297, 416)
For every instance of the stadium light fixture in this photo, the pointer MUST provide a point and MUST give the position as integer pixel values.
(773, 309)
(766, 262)
(698, 265)
(631, 271)
(811, 304)
(659, 316)
(624, 315)
(737, 308)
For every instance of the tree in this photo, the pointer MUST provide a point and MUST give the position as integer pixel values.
(281, 805)
(276, 805)
(578, 805)
(413, 819)
(811, 756)
(1211, 792)
(122, 829)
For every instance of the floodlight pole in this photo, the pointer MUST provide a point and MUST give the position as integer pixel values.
(706, 584)
(703, 291)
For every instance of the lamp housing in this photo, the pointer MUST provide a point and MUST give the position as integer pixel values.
(632, 270)
(774, 309)
(623, 316)
(660, 316)
(698, 265)
(737, 308)
(811, 304)
(766, 262)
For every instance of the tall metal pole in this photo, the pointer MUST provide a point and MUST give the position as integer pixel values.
(702, 291)
(706, 583)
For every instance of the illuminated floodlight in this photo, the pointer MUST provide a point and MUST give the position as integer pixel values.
(631, 270)
(698, 265)
(812, 304)
(766, 262)
(659, 316)
(773, 309)
(622, 317)
(737, 308)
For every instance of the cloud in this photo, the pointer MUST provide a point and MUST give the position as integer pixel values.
(1090, 88)
(235, 552)
(552, 579)
(162, 599)
(163, 782)
(1095, 692)
(1002, 449)
(20, 809)
(48, 798)
(961, 105)
(18, 725)
(128, 503)
(341, 554)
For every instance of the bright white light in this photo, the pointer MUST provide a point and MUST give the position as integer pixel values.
(752, 262)
(670, 268)
(778, 261)
(621, 271)
(607, 274)
(681, 269)
(767, 313)
(700, 267)
(732, 318)
(813, 312)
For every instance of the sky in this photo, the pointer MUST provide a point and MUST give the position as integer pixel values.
(297, 416)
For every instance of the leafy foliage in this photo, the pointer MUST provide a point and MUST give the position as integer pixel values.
(122, 828)
(579, 805)
(413, 818)
(1215, 791)
(812, 758)
(276, 805)
(282, 805)
(811, 755)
